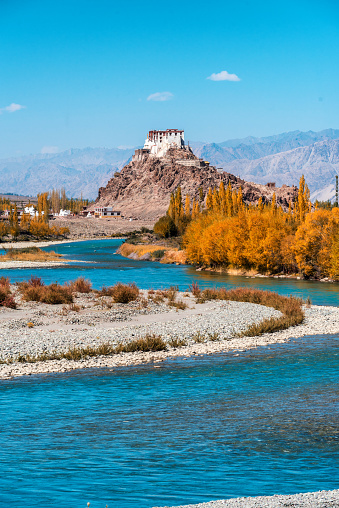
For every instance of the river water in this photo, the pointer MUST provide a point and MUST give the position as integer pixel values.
(252, 423)
(104, 266)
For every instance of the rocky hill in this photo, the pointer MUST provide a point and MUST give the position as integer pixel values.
(258, 159)
(142, 189)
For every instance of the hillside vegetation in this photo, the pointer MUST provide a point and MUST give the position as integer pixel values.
(224, 232)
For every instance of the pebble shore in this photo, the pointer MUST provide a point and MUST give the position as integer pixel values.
(320, 499)
(207, 328)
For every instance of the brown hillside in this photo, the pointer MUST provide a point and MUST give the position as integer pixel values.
(142, 189)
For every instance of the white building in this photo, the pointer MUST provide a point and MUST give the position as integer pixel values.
(105, 211)
(64, 213)
(158, 142)
(31, 211)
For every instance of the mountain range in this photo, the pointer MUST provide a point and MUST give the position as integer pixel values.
(281, 158)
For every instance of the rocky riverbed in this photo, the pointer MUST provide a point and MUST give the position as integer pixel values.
(320, 499)
(34, 329)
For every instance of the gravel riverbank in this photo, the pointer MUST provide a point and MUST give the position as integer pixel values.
(212, 327)
(320, 499)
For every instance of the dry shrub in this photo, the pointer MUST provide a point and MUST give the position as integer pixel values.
(157, 297)
(74, 308)
(289, 306)
(29, 254)
(33, 282)
(106, 291)
(4, 282)
(175, 256)
(158, 254)
(176, 342)
(81, 285)
(147, 343)
(178, 305)
(170, 293)
(6, 298)
(198, 337)
(195, 289)
(126, 249)
(34, 290)
(124, 293)
(143, 303)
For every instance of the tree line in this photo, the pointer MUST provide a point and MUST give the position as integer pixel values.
(221, 230)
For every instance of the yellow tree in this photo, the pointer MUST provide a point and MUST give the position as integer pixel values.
(179, 210)
(187, 207)
(303, 200)
(222, 198)
(25, 221)
(14, 222)
(209, 199)
(3, 230)
(215, 200)
(239, 199)
(229, 202)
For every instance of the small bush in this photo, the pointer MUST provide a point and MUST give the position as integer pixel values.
(35, 291)
(4, 282)
(81, 285)
(6, 298)
(74, 308)
(195, 289)
(158, 254)
(124, 293)
(169, 293)
(214, 337)
(198, 337)
(143, 303)
(147, 343)
(105, 291)
(55, 294)
(178, 305)
(33, 282)
(175, 342)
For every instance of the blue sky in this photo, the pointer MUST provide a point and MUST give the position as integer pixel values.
(88, 73)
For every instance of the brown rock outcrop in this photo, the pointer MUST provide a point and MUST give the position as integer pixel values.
(143, 188)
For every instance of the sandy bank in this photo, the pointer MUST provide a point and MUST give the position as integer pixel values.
(207, 328)
(47, 243)
(4, 265)
(320, 499)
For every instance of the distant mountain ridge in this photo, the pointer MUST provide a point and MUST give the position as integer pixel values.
(254, 159)
(319, 163)
(77, 170)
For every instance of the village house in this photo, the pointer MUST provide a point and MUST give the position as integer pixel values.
(105, 211)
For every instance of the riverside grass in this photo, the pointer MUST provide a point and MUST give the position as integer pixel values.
(29, 254)
(149, 343)
(166, 255)
(289, 306)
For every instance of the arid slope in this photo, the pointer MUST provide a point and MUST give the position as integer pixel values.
(142, 189)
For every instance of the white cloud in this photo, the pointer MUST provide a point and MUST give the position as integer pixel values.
(223, 76)
(12, 108)
(160, 96)
(49, 149)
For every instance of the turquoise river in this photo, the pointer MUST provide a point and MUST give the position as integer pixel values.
(243, 423)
